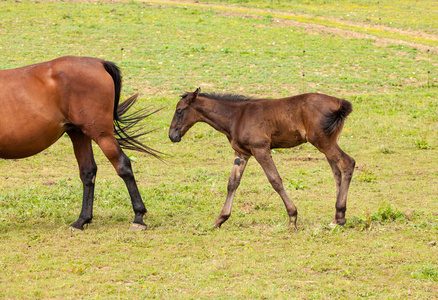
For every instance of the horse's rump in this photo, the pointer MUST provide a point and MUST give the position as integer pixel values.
(334, 119)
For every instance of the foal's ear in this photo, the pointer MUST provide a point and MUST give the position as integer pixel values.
(193, 96)
(198, 90)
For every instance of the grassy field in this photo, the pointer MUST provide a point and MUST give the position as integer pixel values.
(386, 66)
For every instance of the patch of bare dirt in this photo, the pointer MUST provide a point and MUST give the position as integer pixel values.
(349, 34)
(311, 27)
(307, 158)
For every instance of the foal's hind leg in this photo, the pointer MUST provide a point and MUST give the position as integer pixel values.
(87, 172)
(342, 167)
(239, 165)
(264, 158)
(337, 175)
(122, 164)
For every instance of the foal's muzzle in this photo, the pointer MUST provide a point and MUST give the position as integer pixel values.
(175, 135)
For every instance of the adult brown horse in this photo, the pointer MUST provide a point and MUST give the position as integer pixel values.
(255, 126)
(79, 96)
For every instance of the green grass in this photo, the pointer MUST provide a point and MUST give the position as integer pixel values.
(393, 14)
(387, 249)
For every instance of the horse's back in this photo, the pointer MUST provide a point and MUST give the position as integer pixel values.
(284, 122)
(307, 108)
(44, 82)
(38, 100)
(276, 123)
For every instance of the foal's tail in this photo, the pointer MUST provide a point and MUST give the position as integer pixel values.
(126, 128)
(335, 119)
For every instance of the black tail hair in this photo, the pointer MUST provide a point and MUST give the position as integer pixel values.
(126, 130)
(116, 74)
(335, 118)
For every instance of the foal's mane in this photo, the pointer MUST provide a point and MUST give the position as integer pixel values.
(223, 96)
(226, 97)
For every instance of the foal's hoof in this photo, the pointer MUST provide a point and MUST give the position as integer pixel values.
(137, 227)
(221, 220)
(335, 223)
(293, 221)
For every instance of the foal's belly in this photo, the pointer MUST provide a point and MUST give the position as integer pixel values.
(288, 139)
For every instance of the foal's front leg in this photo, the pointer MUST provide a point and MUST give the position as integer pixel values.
(264, 158)
(239, 165)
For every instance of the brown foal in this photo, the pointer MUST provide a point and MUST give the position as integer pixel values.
(79, 96)
(255, 126)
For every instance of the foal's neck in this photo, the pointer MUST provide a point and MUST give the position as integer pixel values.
(219, 114)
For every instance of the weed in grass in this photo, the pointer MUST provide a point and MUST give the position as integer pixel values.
(359, 222)
(429, 272)
(386, 213)
(366, 294)
(367, 175)
(294, 184)
(422, 144)
(385, 150)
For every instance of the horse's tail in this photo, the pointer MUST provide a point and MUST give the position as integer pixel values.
(116, 74)
(126, 130)
(334, 120)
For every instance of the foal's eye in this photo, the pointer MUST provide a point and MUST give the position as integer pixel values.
(179, 114)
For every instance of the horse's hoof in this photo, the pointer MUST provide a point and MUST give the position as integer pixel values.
(76, 227)
(137, 227)
(75, 231)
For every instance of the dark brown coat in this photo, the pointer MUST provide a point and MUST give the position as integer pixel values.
(255, 126)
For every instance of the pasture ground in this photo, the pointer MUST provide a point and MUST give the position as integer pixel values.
(385, 65)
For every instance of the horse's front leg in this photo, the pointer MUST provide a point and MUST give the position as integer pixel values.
(239, 165)
(87, 172)
(122, 164)
(264, 158)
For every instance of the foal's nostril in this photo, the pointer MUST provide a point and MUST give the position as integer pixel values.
(175, 135)
(175, 139)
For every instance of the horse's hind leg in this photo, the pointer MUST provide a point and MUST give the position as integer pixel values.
(233, 183)
(264, 158)
(342, 167)
(122, 164)
(87, 172)
(337, 175)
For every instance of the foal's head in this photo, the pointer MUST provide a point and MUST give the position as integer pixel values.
(185, 116)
